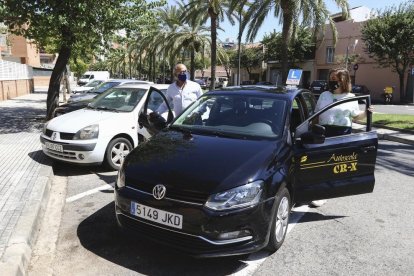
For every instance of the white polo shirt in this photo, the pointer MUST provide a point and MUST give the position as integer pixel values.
(180, 98)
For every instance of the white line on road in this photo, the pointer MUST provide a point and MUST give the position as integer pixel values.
(256, 259)
(90, 192)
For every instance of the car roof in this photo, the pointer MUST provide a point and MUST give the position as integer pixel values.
(252, 90)
(129, 80)
(144, 85)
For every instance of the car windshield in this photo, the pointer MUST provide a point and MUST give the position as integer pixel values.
(103, 87)
(235, 116)
(118, 99)
(85, 77)
(93, 83)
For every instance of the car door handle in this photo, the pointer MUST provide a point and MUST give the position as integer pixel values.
(367, 149)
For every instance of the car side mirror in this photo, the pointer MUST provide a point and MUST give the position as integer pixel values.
(315, 136)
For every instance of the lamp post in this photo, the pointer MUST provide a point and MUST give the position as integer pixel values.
(347, 52)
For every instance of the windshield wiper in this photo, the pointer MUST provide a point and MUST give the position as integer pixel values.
(106, 108)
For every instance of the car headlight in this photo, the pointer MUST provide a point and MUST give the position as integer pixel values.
(89, 132)
(120, 180)
(243, 196)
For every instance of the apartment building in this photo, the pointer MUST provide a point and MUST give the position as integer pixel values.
(349, 44)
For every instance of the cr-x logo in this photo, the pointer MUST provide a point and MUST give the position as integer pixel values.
(343, 168)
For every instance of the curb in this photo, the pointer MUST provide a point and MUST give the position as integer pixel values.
(16, 258)
(398, 137)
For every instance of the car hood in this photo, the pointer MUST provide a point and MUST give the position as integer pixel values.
(204, 164)
(76, 120)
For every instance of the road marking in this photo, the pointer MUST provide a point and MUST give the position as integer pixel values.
(256, 259)
(90, 192)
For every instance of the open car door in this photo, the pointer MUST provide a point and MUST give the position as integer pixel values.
(334, 166)
(157, 113)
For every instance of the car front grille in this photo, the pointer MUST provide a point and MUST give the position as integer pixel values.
(65, 154)
(174, 193)
(63, 135)
(185, 242)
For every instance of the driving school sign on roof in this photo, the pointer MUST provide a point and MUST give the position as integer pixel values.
(294, 77)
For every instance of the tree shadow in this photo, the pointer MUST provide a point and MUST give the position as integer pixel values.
(21, 119)
(389, 158)
(100, 234)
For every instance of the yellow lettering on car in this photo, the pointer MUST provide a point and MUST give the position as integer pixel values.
(347, 167)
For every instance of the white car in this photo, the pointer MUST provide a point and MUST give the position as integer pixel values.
(104, 132)
(89, 86)
(104, 87)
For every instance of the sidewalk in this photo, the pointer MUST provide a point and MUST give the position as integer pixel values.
(26, 174)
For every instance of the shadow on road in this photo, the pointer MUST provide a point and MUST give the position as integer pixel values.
(100, 234)
(389, 158)
(40, 157)
(310, 216)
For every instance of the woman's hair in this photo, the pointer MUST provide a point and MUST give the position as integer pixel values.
(343, 76)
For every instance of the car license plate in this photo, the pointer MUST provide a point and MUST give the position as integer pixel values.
(54, 147)
(316, 88)
(157, 215)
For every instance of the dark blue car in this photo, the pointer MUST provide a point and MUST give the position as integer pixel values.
(222, 177)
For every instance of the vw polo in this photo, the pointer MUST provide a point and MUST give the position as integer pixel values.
(222, 177)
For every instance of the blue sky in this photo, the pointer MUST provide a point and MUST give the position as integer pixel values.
(273, 23)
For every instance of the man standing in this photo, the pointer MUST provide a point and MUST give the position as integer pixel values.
(182, 92)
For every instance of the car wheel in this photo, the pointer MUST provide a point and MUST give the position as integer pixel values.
(116, 151)
(280, 220)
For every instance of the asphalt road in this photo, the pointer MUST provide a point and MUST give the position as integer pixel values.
(370, 234)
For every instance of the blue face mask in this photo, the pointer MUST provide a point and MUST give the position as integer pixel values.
(182, 77)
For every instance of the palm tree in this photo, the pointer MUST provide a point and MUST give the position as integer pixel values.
(202, 10)
(290, 12)
(191, 38)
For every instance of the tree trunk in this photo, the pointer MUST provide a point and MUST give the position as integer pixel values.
(288, 8)
(192, 64)
(239, 37)
(401, 78)
(55, 80)
(213, 49)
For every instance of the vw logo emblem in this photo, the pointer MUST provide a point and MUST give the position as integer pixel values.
(54, 136)
(159, 191)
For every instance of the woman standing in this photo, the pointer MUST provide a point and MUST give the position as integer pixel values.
(338, 120)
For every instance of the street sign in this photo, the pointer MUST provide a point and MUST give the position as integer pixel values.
(356, 66)
(294, 77)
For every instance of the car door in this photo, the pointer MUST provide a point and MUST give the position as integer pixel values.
(150, 118)
(336, 166)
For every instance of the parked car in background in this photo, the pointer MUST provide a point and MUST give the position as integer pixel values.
(103, 87)
(103, 132)
(222, 177)
(360, 90)
(93, 75)
(318, 86)
(89, 86)
(247, 82)
(201, 82)
(264, 83)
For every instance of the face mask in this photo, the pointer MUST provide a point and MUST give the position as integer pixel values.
(182, 77)
(333, 85)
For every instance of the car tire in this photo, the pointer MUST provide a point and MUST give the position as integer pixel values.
(116, 151)
(280, 220)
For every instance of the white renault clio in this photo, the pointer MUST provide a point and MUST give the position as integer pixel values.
(105, 131)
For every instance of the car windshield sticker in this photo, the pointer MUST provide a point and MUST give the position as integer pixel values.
(340, 163)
